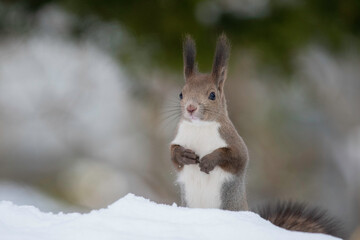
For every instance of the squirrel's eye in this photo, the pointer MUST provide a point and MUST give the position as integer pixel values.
(180, 96)
(212, 96)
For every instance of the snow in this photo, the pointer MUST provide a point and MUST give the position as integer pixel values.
(134, 217)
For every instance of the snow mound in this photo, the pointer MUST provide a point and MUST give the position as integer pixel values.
(134, 217)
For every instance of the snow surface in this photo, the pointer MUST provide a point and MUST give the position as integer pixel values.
(134, 217)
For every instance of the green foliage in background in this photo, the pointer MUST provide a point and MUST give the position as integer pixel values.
(275, 35)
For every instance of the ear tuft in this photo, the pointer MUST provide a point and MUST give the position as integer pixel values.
(189, 54)
(222, 54)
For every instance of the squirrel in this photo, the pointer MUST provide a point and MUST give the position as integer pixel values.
(210, 156)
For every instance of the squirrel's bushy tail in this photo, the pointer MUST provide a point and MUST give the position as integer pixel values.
(300, 217)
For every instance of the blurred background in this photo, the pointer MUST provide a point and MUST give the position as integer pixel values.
(85, 88)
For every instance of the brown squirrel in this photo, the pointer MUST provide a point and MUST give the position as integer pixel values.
(210, 156)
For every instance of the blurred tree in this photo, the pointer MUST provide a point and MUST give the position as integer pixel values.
(275, 29)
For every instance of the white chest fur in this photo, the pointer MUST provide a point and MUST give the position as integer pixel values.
(201, 190)
(200, 136)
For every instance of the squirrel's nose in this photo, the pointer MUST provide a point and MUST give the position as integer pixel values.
(191, 108)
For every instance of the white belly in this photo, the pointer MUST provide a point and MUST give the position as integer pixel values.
(201, 190)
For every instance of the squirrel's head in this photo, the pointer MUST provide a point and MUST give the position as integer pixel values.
(202, 97)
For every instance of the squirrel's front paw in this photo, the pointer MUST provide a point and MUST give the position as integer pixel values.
(207, 164)
(188, 157)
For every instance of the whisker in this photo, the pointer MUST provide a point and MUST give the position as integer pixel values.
(173, 100)
(170, 111)
(174, 115)
(172, 107)
(167, 122)
(170, 116)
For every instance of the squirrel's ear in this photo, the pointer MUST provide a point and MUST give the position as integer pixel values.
(189, 54)
(219, 69)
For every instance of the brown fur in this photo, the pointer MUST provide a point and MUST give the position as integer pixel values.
(234, 157)
(300, 217)
(196, 91)
(189, 57)
(181, 156)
